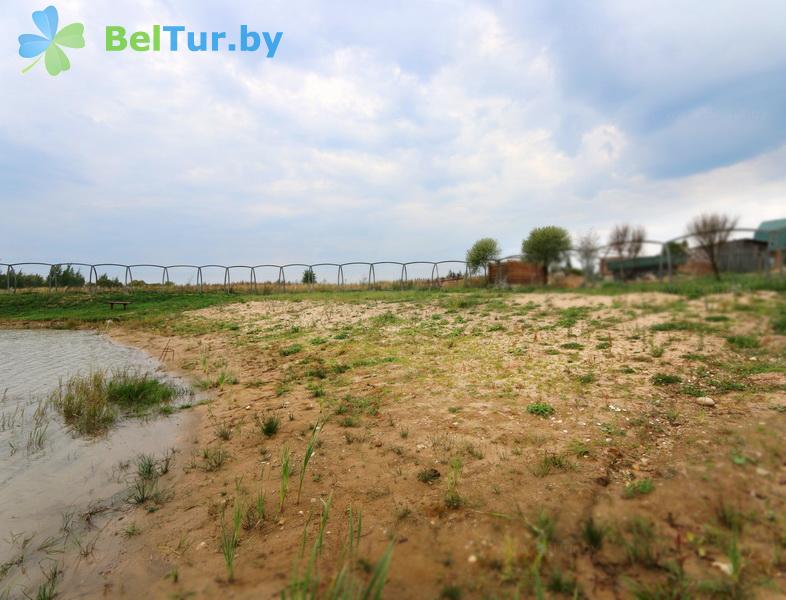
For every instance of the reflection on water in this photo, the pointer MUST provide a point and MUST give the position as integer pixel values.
(47, 474)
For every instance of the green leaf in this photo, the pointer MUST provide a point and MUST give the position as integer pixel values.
(56, 61)
(71, 36)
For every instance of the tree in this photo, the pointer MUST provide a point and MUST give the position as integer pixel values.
(636, 242)
(677, 250)
(545, 246)
(627, 242)
(588, 250)
(482, 252)
(309, 276)
(711, 231)
(68, 277)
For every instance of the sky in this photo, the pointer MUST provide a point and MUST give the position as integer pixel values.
(396, 130)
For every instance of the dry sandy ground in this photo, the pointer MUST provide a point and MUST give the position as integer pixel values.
(631, 483)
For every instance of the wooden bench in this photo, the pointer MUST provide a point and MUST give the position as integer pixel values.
(123, 303)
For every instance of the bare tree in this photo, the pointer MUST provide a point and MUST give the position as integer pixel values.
(588, 249)
(636, 241)
(618, 241)
(711, 231)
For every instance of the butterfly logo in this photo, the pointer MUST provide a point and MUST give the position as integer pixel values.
(32, 46)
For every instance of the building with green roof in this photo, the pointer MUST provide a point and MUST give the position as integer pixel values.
(774, 233)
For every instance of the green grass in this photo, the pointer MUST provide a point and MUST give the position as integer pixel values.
(93, 403)
(743, 342)
(642, 487)
(540, 409)
(157, 307)
(665, 379)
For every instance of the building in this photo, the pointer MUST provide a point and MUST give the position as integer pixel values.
(774, 234)
(515, 272)
(639, 267)
(743, 256)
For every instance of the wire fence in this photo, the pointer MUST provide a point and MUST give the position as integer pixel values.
(736, 254)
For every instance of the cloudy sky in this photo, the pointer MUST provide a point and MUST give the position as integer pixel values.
(389, 130)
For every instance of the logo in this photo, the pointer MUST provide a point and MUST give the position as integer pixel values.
(32, 45)
(177, 37)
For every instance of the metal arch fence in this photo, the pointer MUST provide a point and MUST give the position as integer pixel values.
(13, 270)
(666, 266)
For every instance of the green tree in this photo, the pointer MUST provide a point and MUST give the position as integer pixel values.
(545, 246)
(68, 277)
(309, 276)
(482, 252)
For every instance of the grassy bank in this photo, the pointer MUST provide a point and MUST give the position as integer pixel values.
(157, 306)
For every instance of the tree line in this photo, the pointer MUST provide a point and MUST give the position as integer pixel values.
(550, 245)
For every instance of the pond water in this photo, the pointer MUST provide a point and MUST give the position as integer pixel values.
(51, 480)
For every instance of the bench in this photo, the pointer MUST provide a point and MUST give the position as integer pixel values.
(123, 303)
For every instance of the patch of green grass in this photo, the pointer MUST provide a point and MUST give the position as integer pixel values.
(743, 342)
(681, 326)
(572, 346)
(92, 403)
(540, 409)
(641, 487)
(290, 350)
(586, 378)
(779, 320)
(665, 379)
(717, 318)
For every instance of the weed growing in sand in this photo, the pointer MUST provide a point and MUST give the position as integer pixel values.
(307, 457)
(255, 513)
(356, 578)
(541, 409)
(230, 538)
(224, 430)
(639, 545)
(592, 534)
(428, 475)
(48, 589)
(579, 449)
(269, 425)
(452, 498)
(550, 463)
(214, 458)
(143, 490)
(286, 473)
